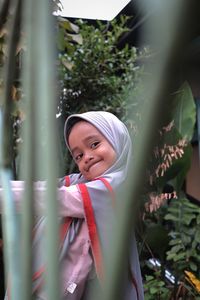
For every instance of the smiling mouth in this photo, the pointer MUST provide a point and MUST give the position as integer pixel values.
(87, 170)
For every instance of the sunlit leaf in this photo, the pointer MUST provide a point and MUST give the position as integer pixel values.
(69, 26)
(185, 112)
(76, 38)
(193, 280)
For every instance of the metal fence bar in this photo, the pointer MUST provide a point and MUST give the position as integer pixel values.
(10, 220)
(28, 166)
(39, 88)
(43, 35)
(10, 235)
(165, 40)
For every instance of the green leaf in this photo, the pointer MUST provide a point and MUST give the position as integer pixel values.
(176, 248)
(153, 290)
(161, 284)
(175, 242)
(197, 236)
(198, 219)
(149, 278)
(193, 266)
(188, 218)
(180, 256)
(186, 239)
(170, 255)
(171, 217)
(184, 113)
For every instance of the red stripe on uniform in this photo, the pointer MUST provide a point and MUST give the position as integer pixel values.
(37, 287)
(92, 228)
(38, 273)
(67, 181)
(109, 187)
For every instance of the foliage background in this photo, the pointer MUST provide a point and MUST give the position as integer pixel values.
(94, 74)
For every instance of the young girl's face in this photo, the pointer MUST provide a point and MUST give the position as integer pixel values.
(91, 150)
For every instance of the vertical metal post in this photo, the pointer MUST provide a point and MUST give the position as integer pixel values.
(10, 220)
(28, 164)
(40, 86)
(47, 99)
(10, 231)
(164, 39)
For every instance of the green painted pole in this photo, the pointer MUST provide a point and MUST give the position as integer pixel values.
(40, 136)
(44, 86)
(9, 216)
(164, 40)
(28, 157)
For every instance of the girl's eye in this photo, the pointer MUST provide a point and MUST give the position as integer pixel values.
(94, 145)
(78, 157)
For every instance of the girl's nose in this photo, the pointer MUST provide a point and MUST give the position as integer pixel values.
(88, 157)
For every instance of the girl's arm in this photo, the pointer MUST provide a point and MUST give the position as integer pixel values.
(69, 199)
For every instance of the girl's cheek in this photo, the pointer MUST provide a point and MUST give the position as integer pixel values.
(79, 167)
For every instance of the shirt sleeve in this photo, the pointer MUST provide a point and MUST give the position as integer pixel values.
(69, 199)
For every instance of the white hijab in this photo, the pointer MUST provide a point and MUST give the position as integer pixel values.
(114, 131)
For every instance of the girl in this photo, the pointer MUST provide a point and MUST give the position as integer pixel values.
(101, 147)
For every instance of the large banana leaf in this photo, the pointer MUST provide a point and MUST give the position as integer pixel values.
(184, 113)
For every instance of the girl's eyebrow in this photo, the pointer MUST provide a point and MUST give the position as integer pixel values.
(90, 137)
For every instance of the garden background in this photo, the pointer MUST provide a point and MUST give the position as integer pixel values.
(102, 66)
